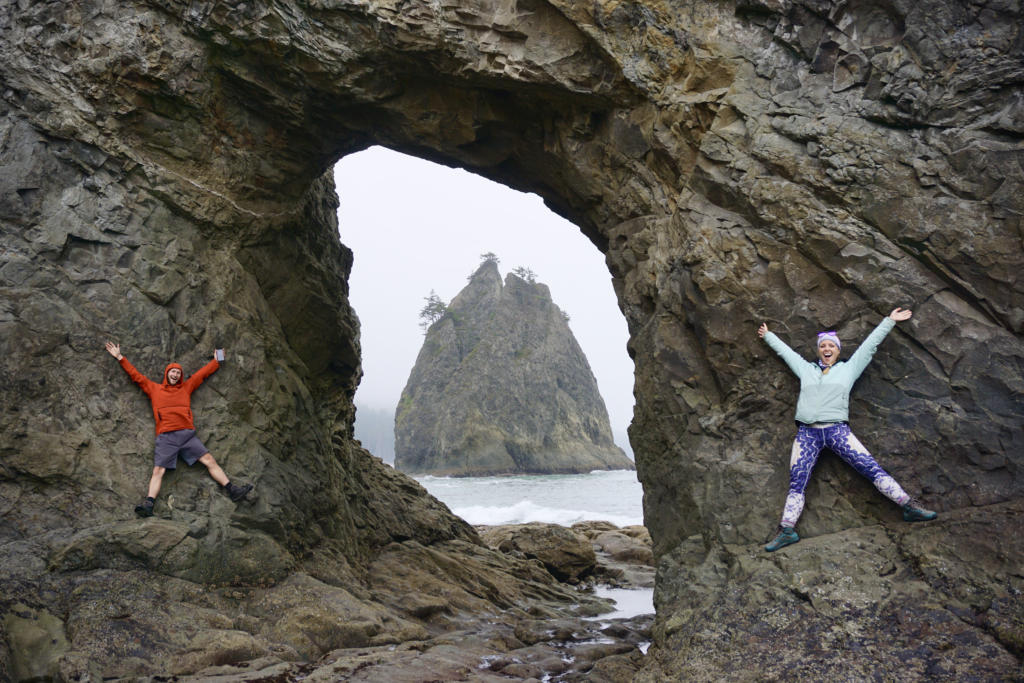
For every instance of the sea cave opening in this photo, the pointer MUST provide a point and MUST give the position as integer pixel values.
(418, 228)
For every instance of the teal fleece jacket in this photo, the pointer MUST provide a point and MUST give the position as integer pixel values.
(825, 397)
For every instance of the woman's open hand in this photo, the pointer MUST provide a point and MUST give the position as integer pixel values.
(900, 314)
(763, 330)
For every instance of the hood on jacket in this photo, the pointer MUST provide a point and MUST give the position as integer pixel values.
(167, 369)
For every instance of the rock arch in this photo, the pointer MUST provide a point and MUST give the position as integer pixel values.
(164, 181)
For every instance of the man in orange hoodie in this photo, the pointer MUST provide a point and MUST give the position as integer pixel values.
(175, 431)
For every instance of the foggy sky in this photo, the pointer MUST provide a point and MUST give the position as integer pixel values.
(415, 226)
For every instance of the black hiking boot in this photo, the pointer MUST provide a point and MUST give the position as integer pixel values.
(237, 493)
(145, 508)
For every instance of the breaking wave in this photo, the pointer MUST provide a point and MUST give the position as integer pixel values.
(528, 511)
(565, 499)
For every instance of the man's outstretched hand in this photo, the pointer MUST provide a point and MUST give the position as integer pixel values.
(114, 350)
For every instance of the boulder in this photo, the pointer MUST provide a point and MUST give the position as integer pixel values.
(566, 554)
(314, 618)
(624, 556)
(37, 643)
(624, 548)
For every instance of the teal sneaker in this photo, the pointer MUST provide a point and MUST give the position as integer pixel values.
(787, 536)
(913, 512)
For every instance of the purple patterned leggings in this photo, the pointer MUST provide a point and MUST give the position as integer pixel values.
(838, 438)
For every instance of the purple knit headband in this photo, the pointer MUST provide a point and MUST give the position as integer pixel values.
(831, 336)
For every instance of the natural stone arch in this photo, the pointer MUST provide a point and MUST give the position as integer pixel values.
(717, 154)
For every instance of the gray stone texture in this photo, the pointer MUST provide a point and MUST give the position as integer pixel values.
(501, 386)
(568, 555)
(164, 181)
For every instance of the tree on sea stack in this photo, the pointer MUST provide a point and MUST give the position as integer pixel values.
(432, 311)
(526, 274)
(501, 386)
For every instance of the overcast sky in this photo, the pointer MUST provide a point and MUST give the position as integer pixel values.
(415, 226)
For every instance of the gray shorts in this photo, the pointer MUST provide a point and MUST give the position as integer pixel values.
(183, 442)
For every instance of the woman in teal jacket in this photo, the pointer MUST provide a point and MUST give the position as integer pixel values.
(822, 416)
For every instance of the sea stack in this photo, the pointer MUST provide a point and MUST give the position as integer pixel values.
(502, 387)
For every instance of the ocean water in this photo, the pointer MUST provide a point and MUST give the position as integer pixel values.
(565, 499)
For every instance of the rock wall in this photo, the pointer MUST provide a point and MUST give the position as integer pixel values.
(501, 386)
(809, 164)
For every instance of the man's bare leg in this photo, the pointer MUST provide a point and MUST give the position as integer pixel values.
(155, 481)
(214, 469)
(236, 493)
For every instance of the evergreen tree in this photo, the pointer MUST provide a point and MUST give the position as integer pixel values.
(432, 311)
(526, 274)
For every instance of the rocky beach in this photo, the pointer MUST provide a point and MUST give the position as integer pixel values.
(452, 612)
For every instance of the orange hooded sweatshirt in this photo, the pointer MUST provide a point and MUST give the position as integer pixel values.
(172, 403)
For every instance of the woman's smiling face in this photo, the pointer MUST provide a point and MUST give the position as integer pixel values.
(828, 352)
